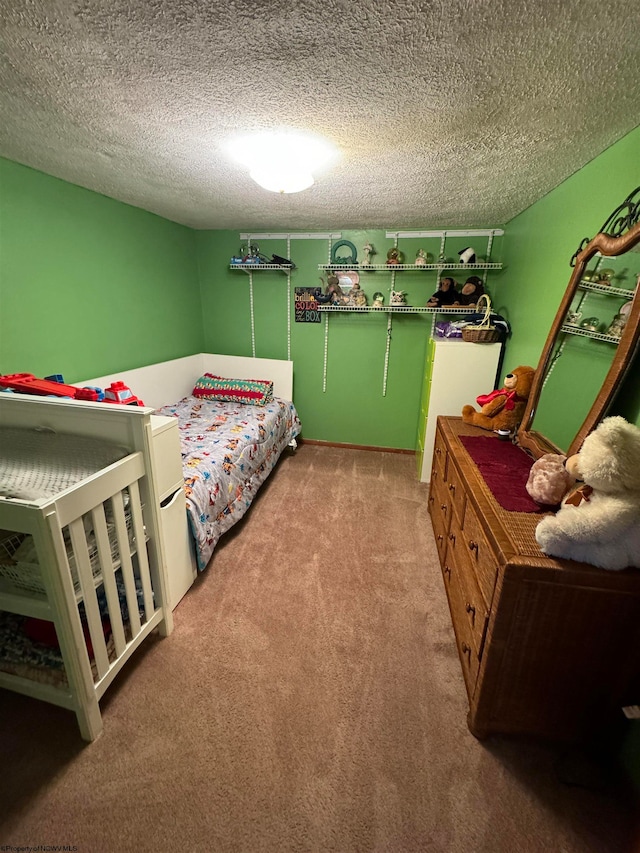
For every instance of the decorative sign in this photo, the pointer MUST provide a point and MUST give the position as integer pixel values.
(306, 303)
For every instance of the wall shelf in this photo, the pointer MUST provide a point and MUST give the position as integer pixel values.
(606, 289)
(403, 267)
(586, 333)
(260, 267)
(394, 309)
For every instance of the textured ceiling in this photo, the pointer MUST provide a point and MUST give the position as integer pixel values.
(447, 113)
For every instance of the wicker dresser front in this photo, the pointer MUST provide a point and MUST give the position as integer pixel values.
(547, 647)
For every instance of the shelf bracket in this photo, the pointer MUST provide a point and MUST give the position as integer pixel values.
(326, 352)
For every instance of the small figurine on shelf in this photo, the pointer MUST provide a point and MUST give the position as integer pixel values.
(591, 324)
(325, 297)
(378, 300)
(603, 277)
(394, 257)
(616, 328)
(467, 256)
(250, 255)
(446, 294)
(356, 297)
(422, 258)
(334, 291)
(398, 297)
(472, 290)
(367, 251)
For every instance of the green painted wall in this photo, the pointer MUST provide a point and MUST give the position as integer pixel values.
(89, 285)
(353, 408)
(538, 247)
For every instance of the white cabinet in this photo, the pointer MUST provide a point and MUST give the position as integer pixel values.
(177, 545)
(456, 372)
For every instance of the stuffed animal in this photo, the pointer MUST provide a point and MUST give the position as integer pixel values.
(599, 523)
(502, 409)
(549, 481)
(471, 291)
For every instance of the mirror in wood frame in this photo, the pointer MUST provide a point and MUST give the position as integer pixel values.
(593, 341)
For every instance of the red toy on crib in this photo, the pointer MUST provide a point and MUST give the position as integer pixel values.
(26, 383)
(118, 392)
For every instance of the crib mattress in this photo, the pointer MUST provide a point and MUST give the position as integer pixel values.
(41, 463)
(228, 451)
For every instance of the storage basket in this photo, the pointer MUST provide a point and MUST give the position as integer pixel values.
(483, 332)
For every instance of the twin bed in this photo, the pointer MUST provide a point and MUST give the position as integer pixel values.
(88, 556)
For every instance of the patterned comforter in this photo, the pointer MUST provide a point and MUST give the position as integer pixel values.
(228, 451)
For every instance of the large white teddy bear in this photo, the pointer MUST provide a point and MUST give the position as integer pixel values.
(600, 522)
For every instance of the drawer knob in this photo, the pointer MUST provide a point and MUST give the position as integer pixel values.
(452, 538)
(440, 537)
(438, 451)
(473, 546)
(466, 650)
(443, 507)
(447, 571)
(471, 611)
(452, 487)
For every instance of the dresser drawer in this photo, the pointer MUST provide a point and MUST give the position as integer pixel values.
(438, 464)
(464, 634)
(476, 611)
(456, 489)
(481, 558)
(440, 510)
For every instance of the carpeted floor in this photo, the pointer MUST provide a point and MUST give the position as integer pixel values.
(309, 699)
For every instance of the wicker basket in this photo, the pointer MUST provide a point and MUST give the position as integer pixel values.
(484, 332)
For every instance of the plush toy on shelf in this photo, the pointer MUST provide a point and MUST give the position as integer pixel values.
(502, 409)
(446, 294)
(549, 481)
(599, 523)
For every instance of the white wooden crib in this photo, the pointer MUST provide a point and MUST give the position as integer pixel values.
(120, 558)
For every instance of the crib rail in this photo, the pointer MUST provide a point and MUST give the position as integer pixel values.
(100, 615)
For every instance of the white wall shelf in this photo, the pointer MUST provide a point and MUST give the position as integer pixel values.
(587, 333)
(395, 309)
(403, 267)
(260, 267)
(606, 289)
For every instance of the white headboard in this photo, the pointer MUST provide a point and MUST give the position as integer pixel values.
(170, 381)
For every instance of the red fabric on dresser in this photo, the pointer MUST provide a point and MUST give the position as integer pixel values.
(505, 470)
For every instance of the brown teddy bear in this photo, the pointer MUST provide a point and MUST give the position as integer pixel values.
(502, 409)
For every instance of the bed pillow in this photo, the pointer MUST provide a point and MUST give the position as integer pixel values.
(254, 392)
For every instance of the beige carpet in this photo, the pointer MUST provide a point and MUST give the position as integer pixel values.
(309, 699)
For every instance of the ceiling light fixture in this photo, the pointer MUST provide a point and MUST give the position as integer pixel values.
(282, 161)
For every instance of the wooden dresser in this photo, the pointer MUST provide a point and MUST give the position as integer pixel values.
(548, 647)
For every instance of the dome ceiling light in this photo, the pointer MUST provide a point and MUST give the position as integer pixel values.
(282, 161)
